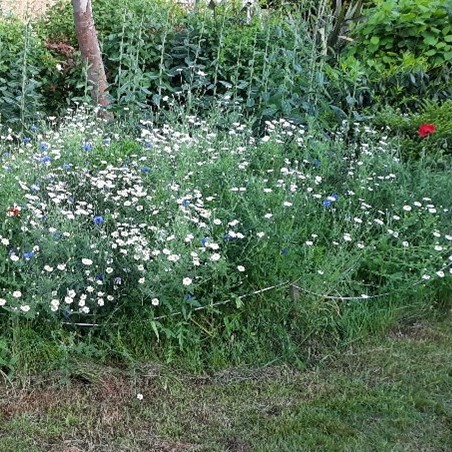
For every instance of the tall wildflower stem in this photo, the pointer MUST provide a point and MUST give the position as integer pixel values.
(24, 74)
(218, 55)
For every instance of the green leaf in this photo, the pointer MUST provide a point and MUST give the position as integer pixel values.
(430, 40)
(155, 329)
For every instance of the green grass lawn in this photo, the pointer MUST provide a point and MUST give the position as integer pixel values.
(393, 393)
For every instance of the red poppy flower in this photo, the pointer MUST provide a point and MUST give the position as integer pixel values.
(14, 211)
(426, 129)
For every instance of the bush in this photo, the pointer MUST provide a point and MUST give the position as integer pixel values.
(407, 127)
(395, 27)
(407, 47)
(27, 69)
(156, 53)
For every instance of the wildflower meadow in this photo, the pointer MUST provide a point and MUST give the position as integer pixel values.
(225, 225)
(247, 190)
(171, 220)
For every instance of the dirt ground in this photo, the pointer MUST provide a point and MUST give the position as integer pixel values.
(25, 8)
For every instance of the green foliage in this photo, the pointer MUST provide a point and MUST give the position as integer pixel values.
(410, 81)
(407, 48)
(183, 224)
(406, 127)
(395, 27)
(26, 66)
(156, 55)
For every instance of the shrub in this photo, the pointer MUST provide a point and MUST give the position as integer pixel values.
(407, 127)
(26, 69)
(407, 47)
(394, 27)
(154, 54)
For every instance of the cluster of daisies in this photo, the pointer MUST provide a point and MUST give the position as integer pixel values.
(178, 217)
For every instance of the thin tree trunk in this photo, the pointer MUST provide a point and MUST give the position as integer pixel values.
(90, 51)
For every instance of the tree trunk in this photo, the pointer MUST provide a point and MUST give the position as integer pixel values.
(90, 51)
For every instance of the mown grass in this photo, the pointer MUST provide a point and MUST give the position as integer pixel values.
(392, 393)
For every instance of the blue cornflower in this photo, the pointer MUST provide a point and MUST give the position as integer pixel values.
(34, 128)
(87, 147)
(26, 140)
(284, 251)
(316, 162)
(45, 159)
(66, 313)
(107, 141)
(98, 220)
(148, 145)
(71, 200)
(188, 296)
(28, 255)
(228, 236)
(66, 166)
(100, 277)
(185, 203)
(145, 169)
(204, 241)
(57, 236)
(43, 146)
(330, 199)
(34, 187)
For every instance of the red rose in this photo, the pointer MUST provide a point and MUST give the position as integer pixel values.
(426, 129)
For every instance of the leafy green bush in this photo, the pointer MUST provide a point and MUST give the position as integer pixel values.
(407, 127)
(407, 48)
(26, 69)
(155, 53)
(394, 27)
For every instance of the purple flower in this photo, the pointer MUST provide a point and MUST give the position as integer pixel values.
(99, 220)
(28, 255)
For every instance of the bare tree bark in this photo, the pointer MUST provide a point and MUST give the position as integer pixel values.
(90, 50)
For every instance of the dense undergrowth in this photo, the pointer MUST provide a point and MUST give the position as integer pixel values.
(245, 206)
